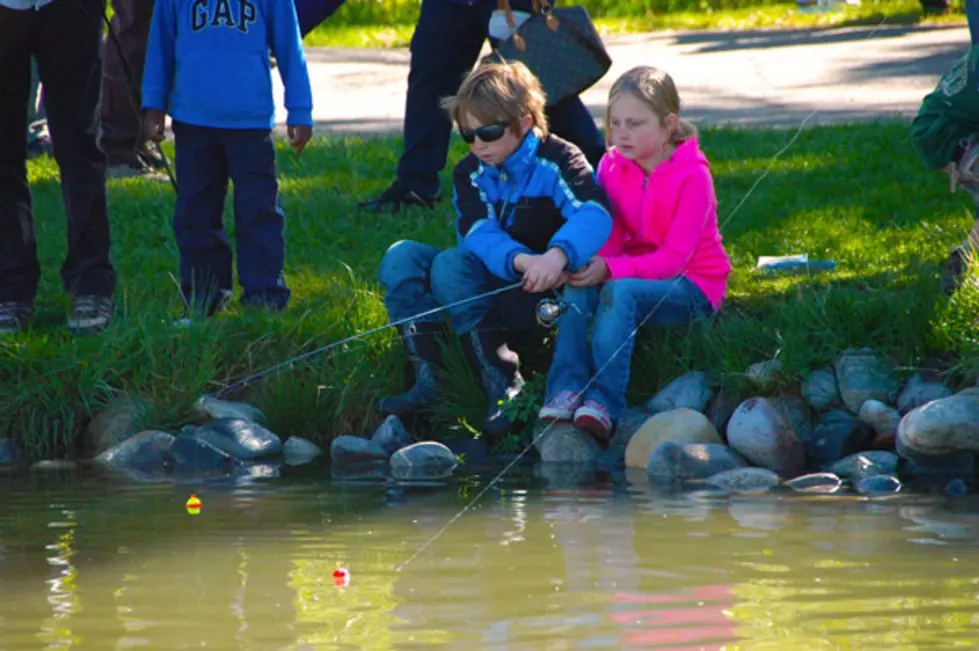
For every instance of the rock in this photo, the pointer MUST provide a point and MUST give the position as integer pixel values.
(118, 420)
(920, 391)
(821, 483)
(837, 435)
(689, 391)
(677, 425)
(681, 462)
(879, 485)
(629, 423)
(10, 452)
(423, 461)
(795, 411)
(242, 439)
(758, 432)
(720, 409)
(880, 417)
(355, 450)
(565, 443)
(297, 451)
(765, 374)
(392, 435)
(866, 464)
(820, 389)
(940, 427)
(145, 452)
(941, 469)
(745, 480)
(863, 376)
(189, 453)
(566, 476)
(208, 407)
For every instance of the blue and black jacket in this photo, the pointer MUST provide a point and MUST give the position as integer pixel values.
(545, 195)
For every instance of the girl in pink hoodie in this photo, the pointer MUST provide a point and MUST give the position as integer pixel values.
(664, 263)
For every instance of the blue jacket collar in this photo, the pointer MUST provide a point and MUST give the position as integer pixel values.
(520, 162)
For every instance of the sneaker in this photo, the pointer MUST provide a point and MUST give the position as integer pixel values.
(560, 407)
(13, 317)
(398, 195)
(89, 314)
(594, 418)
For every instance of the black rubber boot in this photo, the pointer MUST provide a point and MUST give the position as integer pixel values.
(499, 373)
(421, 342)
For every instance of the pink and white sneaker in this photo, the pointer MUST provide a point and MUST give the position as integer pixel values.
(594, 418)
(560, 407)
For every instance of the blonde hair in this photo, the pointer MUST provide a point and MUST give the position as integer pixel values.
(500, 92)
(654, 88)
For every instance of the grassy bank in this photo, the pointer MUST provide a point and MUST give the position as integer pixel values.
(855, 194)
(389, 23)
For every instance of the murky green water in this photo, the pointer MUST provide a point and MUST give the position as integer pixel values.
(91, 563)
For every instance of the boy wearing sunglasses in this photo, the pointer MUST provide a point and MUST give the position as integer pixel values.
(528, 208)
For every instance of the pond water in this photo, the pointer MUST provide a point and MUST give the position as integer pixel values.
(91, 562)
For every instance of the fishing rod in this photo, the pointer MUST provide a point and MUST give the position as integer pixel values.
(363, 335)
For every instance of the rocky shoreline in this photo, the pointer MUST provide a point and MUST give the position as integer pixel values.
(854, 425)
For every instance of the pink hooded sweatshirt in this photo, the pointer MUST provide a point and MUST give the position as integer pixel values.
(665, 225)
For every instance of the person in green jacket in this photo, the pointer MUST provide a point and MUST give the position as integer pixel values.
(945, 133)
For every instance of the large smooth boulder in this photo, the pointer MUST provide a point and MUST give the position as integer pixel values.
(427, 460)
(689, 391)
(863, 375)
(565, 443)
(687, 462)
(941, 427)
(244, 440)
(677, 425)
(758, 431)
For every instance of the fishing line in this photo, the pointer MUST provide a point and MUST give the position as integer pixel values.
(367, 333)
(632, 334)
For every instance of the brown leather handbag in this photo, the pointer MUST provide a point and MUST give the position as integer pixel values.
(560, 46)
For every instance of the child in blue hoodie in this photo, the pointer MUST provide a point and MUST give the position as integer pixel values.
(207, 65)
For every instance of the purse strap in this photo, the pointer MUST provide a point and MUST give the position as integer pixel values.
(539, 6)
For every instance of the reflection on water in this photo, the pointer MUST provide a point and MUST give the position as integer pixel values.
(86, 563)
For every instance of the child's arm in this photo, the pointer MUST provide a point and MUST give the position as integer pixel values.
(478, 229)
(694, 214)
(586, 210)
(616, 241)
(160, 57)
(287, 47)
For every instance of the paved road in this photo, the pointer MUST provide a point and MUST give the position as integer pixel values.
(740, 78)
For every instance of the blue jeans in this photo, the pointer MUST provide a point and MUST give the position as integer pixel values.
(616, 309)
(417, 278)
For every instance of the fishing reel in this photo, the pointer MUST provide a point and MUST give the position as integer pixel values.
(549, 310)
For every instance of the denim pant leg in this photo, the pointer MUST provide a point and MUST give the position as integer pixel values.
(622, 307)
(260, 221)
(571, 368)
(198, 218)
(458, 275)
(405, 273)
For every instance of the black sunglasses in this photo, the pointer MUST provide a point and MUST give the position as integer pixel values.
(487, 133)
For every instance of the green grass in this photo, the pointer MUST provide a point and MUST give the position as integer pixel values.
(390, 23)
(855, 194)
